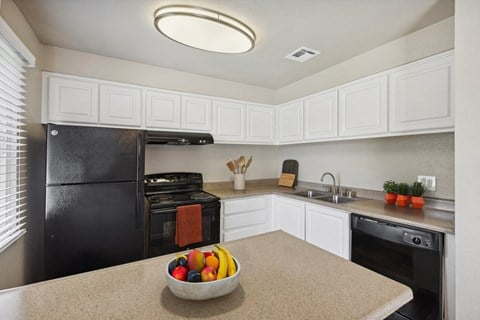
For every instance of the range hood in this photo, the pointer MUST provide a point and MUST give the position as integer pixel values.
(178, 138)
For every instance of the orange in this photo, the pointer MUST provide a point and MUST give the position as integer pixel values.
(212, 261)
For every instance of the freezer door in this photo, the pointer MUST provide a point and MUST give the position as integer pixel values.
(92, 226)
(90, 155)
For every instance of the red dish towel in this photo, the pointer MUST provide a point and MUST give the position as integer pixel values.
(189, 225)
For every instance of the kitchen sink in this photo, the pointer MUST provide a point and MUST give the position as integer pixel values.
(335, 198)
(310, 193)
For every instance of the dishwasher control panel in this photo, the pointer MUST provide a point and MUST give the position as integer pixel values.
(418, 239)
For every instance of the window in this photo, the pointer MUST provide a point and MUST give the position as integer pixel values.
(12, 137)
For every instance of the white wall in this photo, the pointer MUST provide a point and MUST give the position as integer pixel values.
(210, 160)
(368, 163)
(467, 158)
(95, 66)
(420, 44)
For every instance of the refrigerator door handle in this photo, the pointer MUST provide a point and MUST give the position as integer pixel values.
(139, 205)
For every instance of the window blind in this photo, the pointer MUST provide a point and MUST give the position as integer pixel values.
(12, 146)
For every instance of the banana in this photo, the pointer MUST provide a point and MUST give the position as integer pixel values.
(232, 268)
(222, 264)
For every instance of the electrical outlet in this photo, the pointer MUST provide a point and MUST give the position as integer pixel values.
(429, 182)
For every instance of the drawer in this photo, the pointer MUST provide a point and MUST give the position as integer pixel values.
(244, 205)
(244, 232)
(244, 219)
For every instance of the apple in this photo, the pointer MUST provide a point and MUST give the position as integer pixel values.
(180, 273)
(208, 274)
(207, 254)
(196, 260)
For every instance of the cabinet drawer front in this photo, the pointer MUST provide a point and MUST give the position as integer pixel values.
(244, 205)
(244, 219)
(244, 233)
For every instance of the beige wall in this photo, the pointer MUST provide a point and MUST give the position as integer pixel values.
(21, 262)
(368, 163)
(210, 160)
(95, 66)
(423, 43)
(467, 157)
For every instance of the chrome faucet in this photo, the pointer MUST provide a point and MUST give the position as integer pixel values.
(334, 187)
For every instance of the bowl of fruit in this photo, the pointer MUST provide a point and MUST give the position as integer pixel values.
(201, 275)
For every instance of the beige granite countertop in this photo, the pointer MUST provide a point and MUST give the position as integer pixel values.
(427, 218)
(281, 278)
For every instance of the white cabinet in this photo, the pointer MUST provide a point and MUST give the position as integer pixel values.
(229, 121)
(162, 109)
(196, 113)
(246, 217)
(421, 95)
(328, 229)
(363, 107)
(71, 100)
(260, 124)
(289, 216)
(321, 116)
(290, 122)
(120, 105)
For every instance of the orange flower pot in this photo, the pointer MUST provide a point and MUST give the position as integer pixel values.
(390, 198)
(417, 202)
(402, 201)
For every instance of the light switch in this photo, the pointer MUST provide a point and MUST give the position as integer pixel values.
(429, 182)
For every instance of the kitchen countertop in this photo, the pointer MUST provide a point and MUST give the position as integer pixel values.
(427, 218)
(281, 278)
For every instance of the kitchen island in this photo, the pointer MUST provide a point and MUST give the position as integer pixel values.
(281, 278)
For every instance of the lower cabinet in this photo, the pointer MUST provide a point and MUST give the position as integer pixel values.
(289, 216)
(328, 229)
(246, 217)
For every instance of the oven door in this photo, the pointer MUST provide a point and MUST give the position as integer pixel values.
(162, 229)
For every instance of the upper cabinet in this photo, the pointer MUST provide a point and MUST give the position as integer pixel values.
(120, 105)
(321, 112)
(163, 109)
(363, 107)
(196, 113)
(260, 124)
(71, 100)
(290, 122)
(421, 95)
(229, 121)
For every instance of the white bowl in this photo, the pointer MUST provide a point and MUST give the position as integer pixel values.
(202, 290)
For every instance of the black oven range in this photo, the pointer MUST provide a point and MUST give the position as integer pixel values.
(164, 192)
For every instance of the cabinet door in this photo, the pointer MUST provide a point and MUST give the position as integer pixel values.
(162, 109)
(289, 216)
(196, 113)
(290, 118)
(229, 121)
(120, 105)
(321, 116)
(71, 100)
(328, 229)
(363, 107)
(421, 96)
(260, 124)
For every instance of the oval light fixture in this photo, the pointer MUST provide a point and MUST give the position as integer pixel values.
(204, 29)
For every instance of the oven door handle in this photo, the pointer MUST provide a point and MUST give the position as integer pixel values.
(164, 211)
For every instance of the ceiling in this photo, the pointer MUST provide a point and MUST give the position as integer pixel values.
(340, 29)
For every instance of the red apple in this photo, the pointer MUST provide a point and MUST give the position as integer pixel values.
(208, 274)
(180, 273)
(206, 254)
(196, 260)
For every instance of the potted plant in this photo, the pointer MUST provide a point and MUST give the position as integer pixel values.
(417, 190)
(391, 189)
(402, 198)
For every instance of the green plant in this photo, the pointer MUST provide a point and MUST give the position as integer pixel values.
(403, 189)
(417, 189)
(390, 186)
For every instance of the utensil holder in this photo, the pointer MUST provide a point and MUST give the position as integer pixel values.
(239, 181)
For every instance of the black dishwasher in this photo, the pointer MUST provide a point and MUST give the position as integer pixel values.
(406, 254)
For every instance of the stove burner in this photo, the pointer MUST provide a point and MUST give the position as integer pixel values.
(199, 195)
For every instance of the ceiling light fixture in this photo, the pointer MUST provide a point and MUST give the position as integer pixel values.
(204, 29)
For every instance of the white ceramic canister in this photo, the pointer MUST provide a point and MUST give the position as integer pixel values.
(239, 181)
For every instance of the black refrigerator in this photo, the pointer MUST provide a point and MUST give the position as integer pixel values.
(94, 198)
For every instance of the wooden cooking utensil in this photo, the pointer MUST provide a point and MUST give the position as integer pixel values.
(231, 166)
(248, 163)
(241, 164)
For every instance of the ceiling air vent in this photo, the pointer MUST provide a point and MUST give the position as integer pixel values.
(302, 54)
